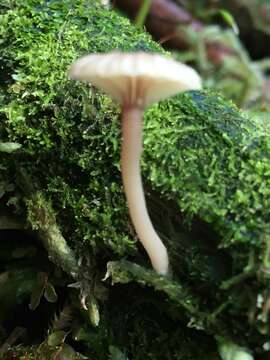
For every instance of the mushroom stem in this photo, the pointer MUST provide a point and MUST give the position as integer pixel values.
(130, 163)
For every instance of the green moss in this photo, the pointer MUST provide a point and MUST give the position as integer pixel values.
(39, 118)
(215, 162)
(205, 166)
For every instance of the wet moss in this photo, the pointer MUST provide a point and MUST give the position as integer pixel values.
(205, 166)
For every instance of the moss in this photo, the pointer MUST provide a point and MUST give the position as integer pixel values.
(38, 119)
(205, 165)
(214, 161)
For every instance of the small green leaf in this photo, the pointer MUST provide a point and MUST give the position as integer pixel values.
(231, 351)
(38, 290)
(9, 147)
(68, 353)
(36, 297)
(56, 338)
(93, 311)
(116, 354)
(228, 18)
(16, 77)
(50, 293)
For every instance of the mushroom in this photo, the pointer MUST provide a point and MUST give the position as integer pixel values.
(136, 80)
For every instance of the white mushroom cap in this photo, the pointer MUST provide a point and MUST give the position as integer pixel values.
(135, 79)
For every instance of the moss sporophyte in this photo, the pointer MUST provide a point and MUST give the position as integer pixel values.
(136, 80)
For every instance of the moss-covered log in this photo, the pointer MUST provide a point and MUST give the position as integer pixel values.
(206, 169)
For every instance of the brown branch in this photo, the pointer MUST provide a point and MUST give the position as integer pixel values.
(167, 23)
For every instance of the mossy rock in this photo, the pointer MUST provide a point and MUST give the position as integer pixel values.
(205, 166)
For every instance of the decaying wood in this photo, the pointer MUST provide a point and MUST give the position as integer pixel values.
(168, 22)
